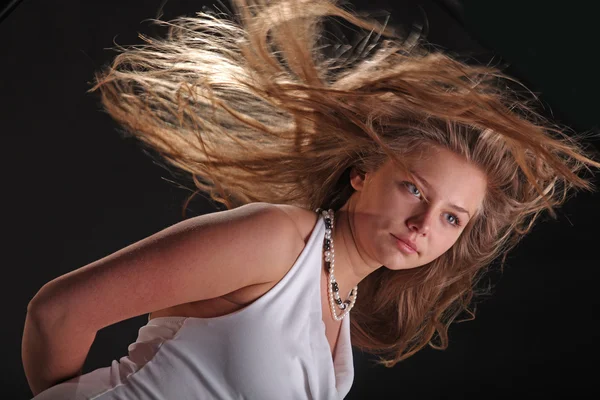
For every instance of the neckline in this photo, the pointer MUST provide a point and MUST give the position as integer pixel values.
(342, 357)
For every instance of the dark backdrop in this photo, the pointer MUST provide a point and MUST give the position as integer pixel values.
(74, 191)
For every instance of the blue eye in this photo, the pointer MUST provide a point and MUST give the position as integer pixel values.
(456, 220)
(409, 184)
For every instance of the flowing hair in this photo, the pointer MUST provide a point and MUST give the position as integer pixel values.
(259, 105)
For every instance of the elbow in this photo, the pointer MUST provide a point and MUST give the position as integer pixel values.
(41, 307)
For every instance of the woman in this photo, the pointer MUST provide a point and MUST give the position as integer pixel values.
(422, 169)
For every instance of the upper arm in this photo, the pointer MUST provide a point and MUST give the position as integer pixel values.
(199, 258)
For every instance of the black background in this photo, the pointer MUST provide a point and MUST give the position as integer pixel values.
(75, 191)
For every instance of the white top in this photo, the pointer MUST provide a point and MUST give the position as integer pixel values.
(273, 349)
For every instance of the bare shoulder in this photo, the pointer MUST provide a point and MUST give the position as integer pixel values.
(297, 223)
(304, 219)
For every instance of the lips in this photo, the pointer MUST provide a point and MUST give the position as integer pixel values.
(408, 242)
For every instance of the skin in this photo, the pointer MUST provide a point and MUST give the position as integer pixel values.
(386, 202)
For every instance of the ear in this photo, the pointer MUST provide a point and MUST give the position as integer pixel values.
(357, 179)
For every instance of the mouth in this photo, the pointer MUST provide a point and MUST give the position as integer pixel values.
(403, 246)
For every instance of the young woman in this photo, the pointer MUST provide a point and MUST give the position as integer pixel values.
(401, 170)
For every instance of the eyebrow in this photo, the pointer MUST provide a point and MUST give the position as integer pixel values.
(454, 206)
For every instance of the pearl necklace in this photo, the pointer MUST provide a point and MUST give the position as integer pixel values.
(329, 255)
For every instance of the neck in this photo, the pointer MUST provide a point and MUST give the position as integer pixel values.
(350, 268)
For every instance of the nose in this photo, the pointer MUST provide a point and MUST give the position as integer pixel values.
(421, 222)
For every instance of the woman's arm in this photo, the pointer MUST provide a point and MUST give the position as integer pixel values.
(199, 258)
(53, 349)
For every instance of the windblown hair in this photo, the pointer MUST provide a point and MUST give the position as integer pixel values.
(258, 105)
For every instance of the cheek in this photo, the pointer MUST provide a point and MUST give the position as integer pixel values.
(441, 247)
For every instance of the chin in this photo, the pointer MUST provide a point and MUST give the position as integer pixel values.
(399, 267)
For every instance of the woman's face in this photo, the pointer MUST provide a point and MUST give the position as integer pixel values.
(389, 205)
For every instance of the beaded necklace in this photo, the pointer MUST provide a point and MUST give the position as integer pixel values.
(329, 256)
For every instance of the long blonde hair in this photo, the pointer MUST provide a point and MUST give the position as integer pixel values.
(259, 105)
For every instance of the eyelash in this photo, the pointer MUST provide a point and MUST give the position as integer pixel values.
(456, 219)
